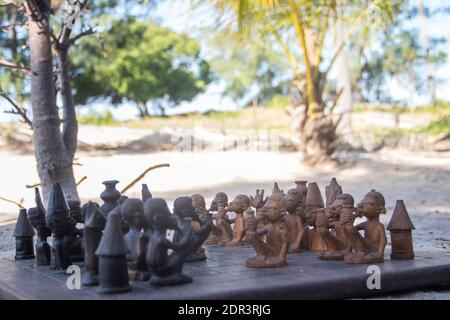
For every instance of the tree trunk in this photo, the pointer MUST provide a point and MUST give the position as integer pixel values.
(53, 161)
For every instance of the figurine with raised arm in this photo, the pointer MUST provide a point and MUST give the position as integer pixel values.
(221, 232)
(36, 216)
(370, 248)
(239, 205)
(199, 203)
(187, 217)
(272, 252)
(132, 212)
(166, 268)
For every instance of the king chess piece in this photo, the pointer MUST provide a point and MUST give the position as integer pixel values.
(36, 216)
(23, 232)
(112, 253)
(166, 268)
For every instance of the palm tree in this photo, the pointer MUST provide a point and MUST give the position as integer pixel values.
(311, 22)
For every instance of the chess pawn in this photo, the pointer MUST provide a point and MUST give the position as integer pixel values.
(36, 216)
(110, 196)
(112, 252)
(400, 227)
(24, 233)
(146, 194)
(94, 224)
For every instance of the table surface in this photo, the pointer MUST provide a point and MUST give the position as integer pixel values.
(224, 276)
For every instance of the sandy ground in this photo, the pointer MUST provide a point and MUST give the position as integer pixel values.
(420, 179)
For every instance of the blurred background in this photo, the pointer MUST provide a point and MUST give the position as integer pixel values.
(234, 95)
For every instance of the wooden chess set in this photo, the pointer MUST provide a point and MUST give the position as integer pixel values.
(287, 245)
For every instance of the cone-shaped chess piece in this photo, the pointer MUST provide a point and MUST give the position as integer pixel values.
(58, 221)
(112, 253)
(110, 196)
(36, 216)
(401, 228)
(93, 226)
(24, 237)
(146, 194)
(313, 196)
(332, 191)
(301, 187)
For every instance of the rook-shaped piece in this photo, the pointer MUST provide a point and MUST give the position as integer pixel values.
(112, 253)
(24, 237)
(146, 194)
(166, 269)
(239, 205)
(36, 216)
(110, 196)
(94, 223)
(370, 248)
(62, 226)
(132, 212)
(187, 217)
(401, 228)
(313, 206)
(296, 230)
(272, 252)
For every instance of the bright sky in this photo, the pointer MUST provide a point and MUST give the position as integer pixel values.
(176, 15)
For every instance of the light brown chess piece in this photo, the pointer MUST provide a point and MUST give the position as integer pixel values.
(271, 252)
(336, 241)
(199, 203)
(401, 228)
(370, 248)
(296, 229)
(239, 205)
(217, 236)
(313, 206)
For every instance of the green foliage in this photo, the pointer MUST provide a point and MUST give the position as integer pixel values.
(139, 62)
(279, 101)
(440, 126)
(98, 119)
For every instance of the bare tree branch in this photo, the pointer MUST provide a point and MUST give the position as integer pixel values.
(142, 175)
(12, 65)
(18, 110)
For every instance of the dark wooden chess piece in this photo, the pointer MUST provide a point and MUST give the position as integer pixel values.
(239, 205)
(166, 268)
(112, 253)
(187, 217)
(132, 212)
(400, 227)
(199, 204)
(24, 233)
(36, 216)
(146, 194)
(110, 196)
(370, 248)
(313, 205)
(271, 252)
(295, 227)
(76, 251)
(94, 223)
(62, 226)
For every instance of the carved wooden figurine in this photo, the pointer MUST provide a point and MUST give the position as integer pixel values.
(239, 205)
(112, 252)
(36, 216)
(221, 232)
(313, 206)
(110, 196)
(296, 230)
(58, 220)
(272, 252)
(24, 233)
(401, 228)
(94, 223)
(370, 248)
(187, 217)
(146, 194)
(199, 203)
(132, 212)
(166, 268)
